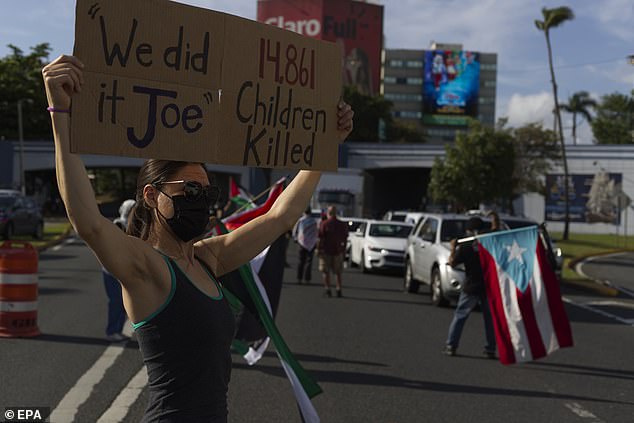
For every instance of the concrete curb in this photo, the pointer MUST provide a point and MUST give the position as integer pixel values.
(573, 263)
(590, 284)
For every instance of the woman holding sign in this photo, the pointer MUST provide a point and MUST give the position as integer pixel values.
(169, 276)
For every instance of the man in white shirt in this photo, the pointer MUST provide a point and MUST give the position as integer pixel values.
(305, 233)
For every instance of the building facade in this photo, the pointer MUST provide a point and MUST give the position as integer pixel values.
(437, 91)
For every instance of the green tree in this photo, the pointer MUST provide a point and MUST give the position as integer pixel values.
(579, 103)
(369, 111)
(552, 19)
(536, 149)
(614, 123)
(21, 79)
(477, 168)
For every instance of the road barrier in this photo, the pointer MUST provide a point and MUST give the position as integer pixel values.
(18, 289)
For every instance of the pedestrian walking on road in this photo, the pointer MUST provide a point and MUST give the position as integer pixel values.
(116, 312)
(472, 294)
(333, 234)
(305, 233)
(168, 273)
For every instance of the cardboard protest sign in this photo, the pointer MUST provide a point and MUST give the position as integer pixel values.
(171, 81)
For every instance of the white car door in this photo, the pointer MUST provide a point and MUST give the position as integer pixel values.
(356, 243)
(427, 239)
(413, 248)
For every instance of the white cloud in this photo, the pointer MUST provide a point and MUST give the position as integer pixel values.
(614, 16)
(483, 25)
(621, 72)
(523, 109)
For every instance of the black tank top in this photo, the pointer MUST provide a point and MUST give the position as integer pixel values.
(185, 346)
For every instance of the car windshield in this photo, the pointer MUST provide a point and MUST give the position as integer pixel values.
(6, 201)
(398, 217)
(387, 230)
(455, 228)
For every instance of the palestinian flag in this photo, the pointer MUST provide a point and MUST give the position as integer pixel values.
(236, 220)
(254, 291)
(239, 196)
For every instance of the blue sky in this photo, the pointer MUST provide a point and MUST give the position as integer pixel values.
(590, 51)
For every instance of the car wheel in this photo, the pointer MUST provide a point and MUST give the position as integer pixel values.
(364, 269)
(437, 295)
(410, 284)
(8, 231)
(39, 231)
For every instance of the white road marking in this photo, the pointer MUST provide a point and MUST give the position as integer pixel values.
(623, 304)
(67, 241)
(598, 311)
(582, 412)
(67, 408)
(121, 405)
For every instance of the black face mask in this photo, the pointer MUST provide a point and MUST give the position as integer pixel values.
(190, 219)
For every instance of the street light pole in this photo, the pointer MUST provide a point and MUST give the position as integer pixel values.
(21, 139)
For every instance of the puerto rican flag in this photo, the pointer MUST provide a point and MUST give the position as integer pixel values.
(523, 292)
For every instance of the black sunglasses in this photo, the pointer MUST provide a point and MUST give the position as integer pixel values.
(194, 191)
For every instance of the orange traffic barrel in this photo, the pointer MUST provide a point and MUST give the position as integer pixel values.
(18, 289)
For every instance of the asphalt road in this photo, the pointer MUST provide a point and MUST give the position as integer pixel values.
(375, 353)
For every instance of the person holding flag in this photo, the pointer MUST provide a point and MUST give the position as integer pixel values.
(528, 313)
(168, 274)
(473, 292)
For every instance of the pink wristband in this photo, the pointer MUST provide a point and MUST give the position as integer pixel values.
(53, 109)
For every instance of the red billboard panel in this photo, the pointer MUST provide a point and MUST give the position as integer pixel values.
(301, 16)
(355, 25)
(359, 28)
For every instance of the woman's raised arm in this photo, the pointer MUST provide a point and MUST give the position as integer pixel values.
(118, 252)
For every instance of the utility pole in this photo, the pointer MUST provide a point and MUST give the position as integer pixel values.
(21, 139)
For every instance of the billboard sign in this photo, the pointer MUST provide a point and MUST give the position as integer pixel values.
(301, 16)
(356, 26)
(591, 198)
(451, 82)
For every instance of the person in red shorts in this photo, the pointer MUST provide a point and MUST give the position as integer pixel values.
(333, 234)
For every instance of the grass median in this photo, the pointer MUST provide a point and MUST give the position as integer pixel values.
(53, 232)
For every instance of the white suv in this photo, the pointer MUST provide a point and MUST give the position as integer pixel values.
(427, 255)
(379, 245)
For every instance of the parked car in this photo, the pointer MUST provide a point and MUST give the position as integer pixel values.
(427, 255)
(379, 245)
(353, 224)
(19, 215)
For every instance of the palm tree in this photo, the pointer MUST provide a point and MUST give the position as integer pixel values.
(579, 104)
(552, 19)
